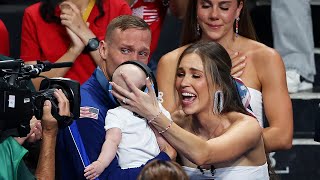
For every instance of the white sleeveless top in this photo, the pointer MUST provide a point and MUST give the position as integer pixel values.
(230, 173)
(256, 104)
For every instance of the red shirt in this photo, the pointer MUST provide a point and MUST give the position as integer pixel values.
(4, 40)
(49, 41)
(152, 12)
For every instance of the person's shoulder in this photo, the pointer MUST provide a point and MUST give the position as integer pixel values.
(33, 8)
(261, 52)
(242, 120)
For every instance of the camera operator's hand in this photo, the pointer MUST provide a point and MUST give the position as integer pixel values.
(46, 162)
(35, 133)
(49, 123)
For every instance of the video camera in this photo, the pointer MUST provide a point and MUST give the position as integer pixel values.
(18, 103)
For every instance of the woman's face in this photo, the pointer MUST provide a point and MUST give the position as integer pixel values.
(216, 17)
(191, 84)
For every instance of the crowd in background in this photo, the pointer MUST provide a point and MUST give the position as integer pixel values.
(205, 73)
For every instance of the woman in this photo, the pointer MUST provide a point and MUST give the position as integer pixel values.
(220, 136)
(68, 31)
(229, 24)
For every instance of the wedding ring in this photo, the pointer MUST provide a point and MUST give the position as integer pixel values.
(124, 100)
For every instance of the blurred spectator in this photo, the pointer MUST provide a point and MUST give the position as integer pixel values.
(4, 39)
(293, 38)
(68, 32)
(155, 13)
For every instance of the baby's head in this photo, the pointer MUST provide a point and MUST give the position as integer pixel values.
(134, 73)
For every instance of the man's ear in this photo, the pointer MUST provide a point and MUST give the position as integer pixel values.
(103, 50)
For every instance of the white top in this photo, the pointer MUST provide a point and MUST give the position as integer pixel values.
(230, 173)
(138, 143)
(256, 104)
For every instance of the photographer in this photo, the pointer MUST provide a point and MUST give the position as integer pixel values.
(11, 152)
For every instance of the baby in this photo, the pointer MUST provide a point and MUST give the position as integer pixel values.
(127, 135)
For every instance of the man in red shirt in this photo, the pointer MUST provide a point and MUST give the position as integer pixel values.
(60, 33)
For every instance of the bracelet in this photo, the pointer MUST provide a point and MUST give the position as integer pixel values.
(166, 129)
(150, 121)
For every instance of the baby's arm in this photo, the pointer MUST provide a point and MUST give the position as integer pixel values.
(108, 152)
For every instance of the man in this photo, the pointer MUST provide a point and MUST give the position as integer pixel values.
(12, 165)
(127, 38)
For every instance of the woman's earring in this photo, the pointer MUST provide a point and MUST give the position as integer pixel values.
(198, 29)
(237, 26)
(218, 102)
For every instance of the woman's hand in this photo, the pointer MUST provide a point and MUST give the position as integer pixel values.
(71, 17)
(145, 104)
(238, 64)
(76, 46)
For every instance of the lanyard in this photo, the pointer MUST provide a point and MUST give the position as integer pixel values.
(88, 10)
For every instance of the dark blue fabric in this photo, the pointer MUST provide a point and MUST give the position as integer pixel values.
(94, 93)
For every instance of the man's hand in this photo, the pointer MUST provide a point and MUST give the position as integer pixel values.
(49, 123)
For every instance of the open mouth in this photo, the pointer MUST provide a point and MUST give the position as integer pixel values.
(188, 98)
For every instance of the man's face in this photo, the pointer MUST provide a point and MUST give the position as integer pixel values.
(130, 44)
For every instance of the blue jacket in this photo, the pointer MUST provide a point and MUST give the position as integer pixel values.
(94, 94)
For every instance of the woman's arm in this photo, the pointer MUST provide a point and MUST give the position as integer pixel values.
(71, 17)
(241, 137)
(245, 133)
(30, 48)
(276, 102)
(166, 72)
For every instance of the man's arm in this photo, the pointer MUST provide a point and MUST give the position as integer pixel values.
(46, 163)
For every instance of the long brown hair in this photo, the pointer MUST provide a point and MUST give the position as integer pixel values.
(217, 68)
(189, 31)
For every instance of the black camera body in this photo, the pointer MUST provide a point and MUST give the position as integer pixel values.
(18, 103)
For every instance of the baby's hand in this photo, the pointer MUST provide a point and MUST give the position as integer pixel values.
(93, 170)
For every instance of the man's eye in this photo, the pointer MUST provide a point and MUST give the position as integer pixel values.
(144, 54)
(125, 51)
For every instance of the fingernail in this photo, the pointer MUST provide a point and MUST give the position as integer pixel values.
(148, 78)
(236, 53)
(243, 57)
(46, 103)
